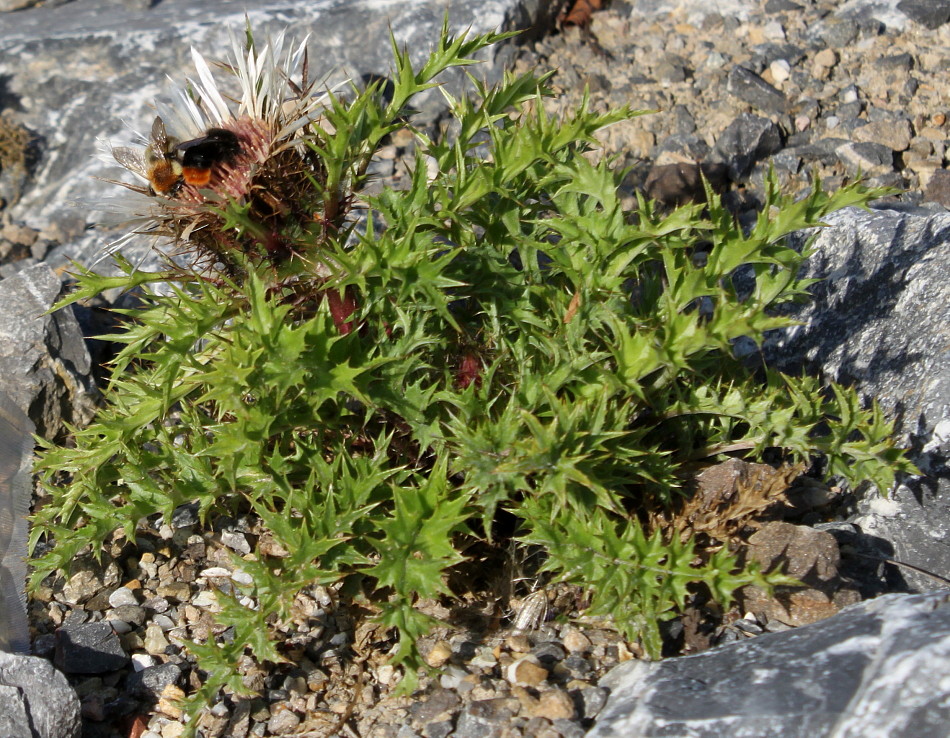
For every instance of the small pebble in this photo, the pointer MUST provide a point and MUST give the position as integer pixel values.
(518, 643)
(173, 729)
(155, 640)
(556, 704)
(780, 69)
(282, 721)
(826, 58)
(526, 672)
(575, 641)
(141, 661)
(178, 591)
(773, 31)
(206, 599)
(441, 652)
(243, 578)
(236, 541)
(122, 596)
(167, 703)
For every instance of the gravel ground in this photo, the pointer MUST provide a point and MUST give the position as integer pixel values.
(809, 91)
(815, 94)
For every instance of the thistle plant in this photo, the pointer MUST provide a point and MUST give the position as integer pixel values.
(379, 379)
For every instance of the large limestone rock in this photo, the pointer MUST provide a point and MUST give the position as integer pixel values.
(880, 320)
(36, 701)
(878, 669)
(44, 363)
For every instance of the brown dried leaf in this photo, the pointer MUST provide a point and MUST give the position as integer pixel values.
(681, 183)
(139, 726)
(572, 308)
(727, 497)
(579, 13)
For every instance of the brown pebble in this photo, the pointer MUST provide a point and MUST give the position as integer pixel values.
(441, 652)
(168, 702)
(826, 58)
(529, 703)
(575, 641)
(938, 120)
(526, 672)
(174, 590)
(556, 704)
(518, 643)
(172, 730)
(282, 721)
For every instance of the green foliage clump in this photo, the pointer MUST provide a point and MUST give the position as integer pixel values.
(501, 335)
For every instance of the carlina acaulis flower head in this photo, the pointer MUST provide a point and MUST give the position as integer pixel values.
(228, 176)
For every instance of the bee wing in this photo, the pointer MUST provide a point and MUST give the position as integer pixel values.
(131, 159)
(159, 135)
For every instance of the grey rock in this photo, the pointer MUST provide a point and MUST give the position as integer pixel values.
(837, 32)
(671, 69)
(751, 88)
(771, 52)
(878, 669)
(549, 653)
(896, 135)
(568, 728)
(823, 151)
(16, 456)
(748, 139)
(868, 12)
(43, 357)
(88, 648)
(438, 729)
(110, 60)
(282, 722)
(439, 706)
(483, 719)
(781, 6)
(235, 541)
(122, 596)
(131, 614)
(577, 666)
(850, 110)
(929, 13)
(903, 62)
(185, 515)
(866, 157)
(694, 10)
(687, 145)
(787, 161)
(880, 320)
(590, 701)
(14, 718)
(36, 701)
(938, 189)
(684, 123)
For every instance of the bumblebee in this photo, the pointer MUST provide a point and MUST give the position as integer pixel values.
(197, 156)
(159, 164)
(167, 164)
